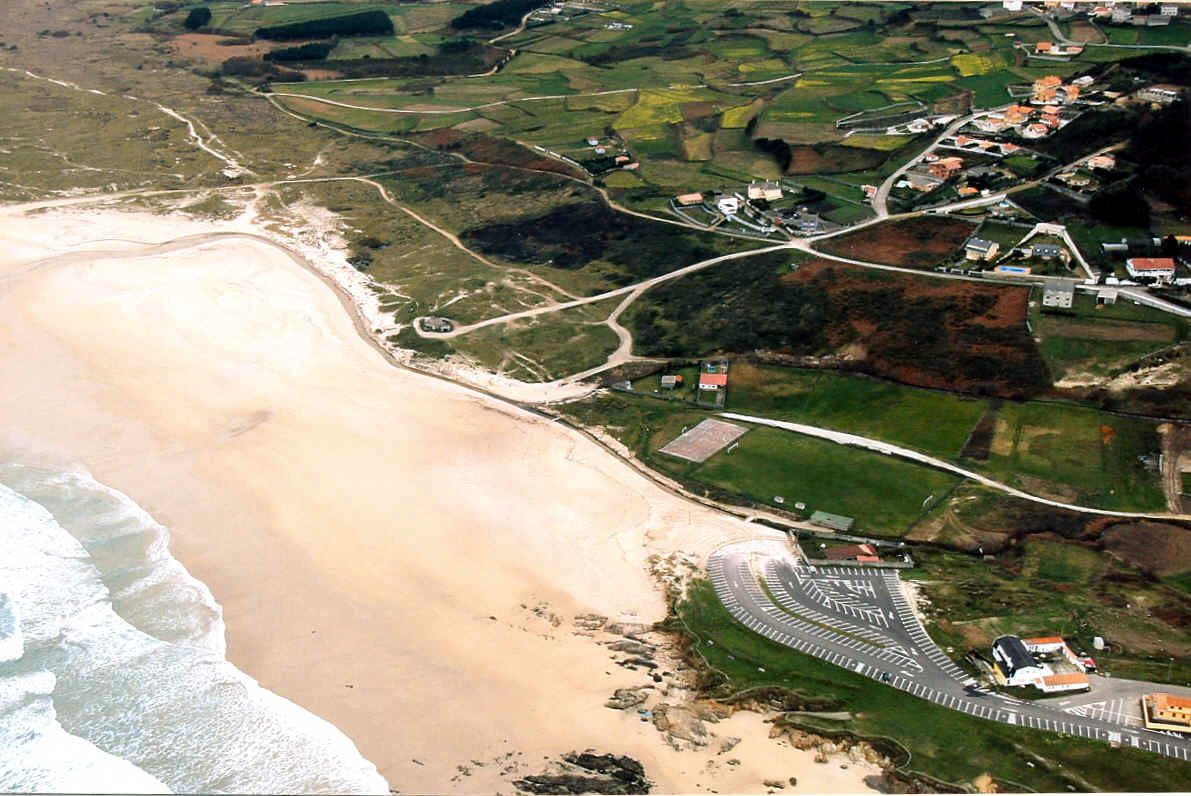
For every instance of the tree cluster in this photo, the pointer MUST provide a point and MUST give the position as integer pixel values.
(363, 23)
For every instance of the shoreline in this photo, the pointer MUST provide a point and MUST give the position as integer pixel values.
(225, 394)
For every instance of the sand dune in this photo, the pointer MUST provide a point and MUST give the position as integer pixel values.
(395, 553)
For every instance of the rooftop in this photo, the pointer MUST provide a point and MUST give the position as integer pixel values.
(1152, 263)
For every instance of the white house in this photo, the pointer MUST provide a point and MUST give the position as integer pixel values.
(728, 205)
(1015, 666)
(1162, 93)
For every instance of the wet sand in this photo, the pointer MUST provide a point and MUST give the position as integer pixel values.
(395, 553)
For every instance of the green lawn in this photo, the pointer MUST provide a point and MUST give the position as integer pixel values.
(942, 743)
(885, 495)
(1059, 562)
(936, 423)
(1005, 234)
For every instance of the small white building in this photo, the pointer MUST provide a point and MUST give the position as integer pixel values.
(1011, 5)
(728, 205)
(1016, 664)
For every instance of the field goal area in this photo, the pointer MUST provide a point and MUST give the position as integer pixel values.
(704, 440)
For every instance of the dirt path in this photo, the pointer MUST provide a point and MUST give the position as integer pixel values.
(1175, 441)
(448, 111)
(630, 291)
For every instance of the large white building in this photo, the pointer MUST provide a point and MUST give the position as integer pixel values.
(767, 190)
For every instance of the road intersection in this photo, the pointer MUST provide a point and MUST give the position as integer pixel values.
(858, 619)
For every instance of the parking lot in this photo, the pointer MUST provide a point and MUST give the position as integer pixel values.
(857, 618)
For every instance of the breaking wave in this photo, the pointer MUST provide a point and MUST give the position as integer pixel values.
(112, 669)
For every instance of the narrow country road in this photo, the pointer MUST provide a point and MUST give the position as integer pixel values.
(881, 199)
(629, 290)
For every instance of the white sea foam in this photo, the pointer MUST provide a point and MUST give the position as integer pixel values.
(36, 754)
(122, 662)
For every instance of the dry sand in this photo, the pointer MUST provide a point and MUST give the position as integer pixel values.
(378, 539)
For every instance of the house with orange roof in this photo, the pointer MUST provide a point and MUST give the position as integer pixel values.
(1016, 114)
(1159, 268)
(946, 168)
(1044, 95)
(1166, 712)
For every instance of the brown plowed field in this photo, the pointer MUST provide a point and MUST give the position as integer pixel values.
(921, 242)
(948, 334)
(1159, 549)
(487, 149)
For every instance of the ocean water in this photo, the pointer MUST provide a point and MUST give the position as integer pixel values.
(112, 669)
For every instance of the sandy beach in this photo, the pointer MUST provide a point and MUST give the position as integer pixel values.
(395, 553)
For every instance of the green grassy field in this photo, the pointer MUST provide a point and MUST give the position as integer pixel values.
(692, 68)
(1091, 340)
(1076, 454)
(936, 423)
(944, 744)
(885, 495)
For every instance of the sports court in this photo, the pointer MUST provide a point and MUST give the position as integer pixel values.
(704, 440)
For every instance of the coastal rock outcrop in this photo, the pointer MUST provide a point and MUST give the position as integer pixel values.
(589, 772)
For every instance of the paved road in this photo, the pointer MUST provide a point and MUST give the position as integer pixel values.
(857, 619)
(881, 200)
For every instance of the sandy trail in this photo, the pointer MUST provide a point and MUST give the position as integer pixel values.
(379, 539)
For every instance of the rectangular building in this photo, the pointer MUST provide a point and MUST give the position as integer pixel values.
(1166, 712)
(1059, 293)
(1159, 268)
(836, 522)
